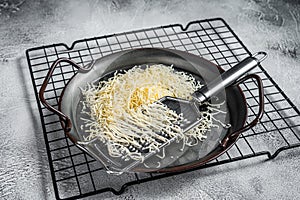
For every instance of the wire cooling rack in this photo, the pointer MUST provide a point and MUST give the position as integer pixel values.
(76, 175)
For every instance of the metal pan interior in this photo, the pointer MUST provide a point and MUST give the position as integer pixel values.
(173, 159)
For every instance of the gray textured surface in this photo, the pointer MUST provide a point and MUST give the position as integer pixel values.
(272, 26)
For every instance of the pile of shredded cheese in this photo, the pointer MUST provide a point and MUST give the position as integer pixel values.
(124, 112)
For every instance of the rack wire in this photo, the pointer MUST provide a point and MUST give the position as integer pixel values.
(76, 175)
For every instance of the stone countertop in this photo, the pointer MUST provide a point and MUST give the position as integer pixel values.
(271, 26)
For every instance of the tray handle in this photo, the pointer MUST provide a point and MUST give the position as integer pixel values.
(67, 122)
(235, 134)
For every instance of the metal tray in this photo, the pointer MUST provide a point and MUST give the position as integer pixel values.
(219, 139)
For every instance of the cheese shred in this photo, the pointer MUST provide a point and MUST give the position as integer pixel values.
(124, 112)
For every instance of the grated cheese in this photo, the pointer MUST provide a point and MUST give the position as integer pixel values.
(125, 115)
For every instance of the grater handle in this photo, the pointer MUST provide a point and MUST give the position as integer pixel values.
(228, 77)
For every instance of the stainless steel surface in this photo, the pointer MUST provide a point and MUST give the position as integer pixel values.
(191, 114)
(227, 78)
(271, 26)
